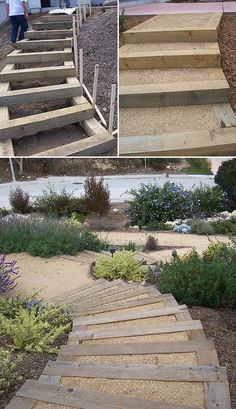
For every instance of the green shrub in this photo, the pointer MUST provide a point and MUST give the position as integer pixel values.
(8, 374)
(202, 228)
(208, 280)
(157, 226)
(224, 226)
(3, 212)
(122, 18)
(225, 178)
(46, 238)
(151, 244)
(35, 330)
(197, 166)
(20, 201)
(58, 204)
(9, 306)
(77, 217)
(122, 265)
(208, 201)
(130, 246)
(97, 196)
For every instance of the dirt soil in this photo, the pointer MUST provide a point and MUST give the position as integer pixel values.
(98, 38)
(131, 21)
(220, 325)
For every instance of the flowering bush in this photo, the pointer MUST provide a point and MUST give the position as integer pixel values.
(9, 274)
(153, 203)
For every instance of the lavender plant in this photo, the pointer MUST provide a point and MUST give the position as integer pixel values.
(9, 273)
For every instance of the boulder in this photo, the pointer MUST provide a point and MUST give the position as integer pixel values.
(225, 215)
(182, 228)
(115, 210)
(233, 214)
(136, 228)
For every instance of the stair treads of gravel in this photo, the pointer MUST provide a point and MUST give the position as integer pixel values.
(179, 393)
(158, 76)
(145, 322)
(133, 48)
(45, 405)
(161, 120)
(176, 336)
(130, 309)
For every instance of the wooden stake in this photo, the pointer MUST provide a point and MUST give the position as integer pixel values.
(81, 66)
(75, 48)
(95, 84)
(77, 21)
(112, 107)
(84, 9)
(90, 8)
(96, 108)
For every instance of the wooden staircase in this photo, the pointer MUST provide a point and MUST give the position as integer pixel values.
(48, 44)
(174, 97)
(130, 347)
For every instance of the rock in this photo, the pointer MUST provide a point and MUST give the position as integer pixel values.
(136, 228)
(233, 214)
(85, 224)
(177, 221)
(169, 223)
(182, 228)
(225, 215)
(115, 210)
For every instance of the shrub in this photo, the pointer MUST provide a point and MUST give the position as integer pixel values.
(198, 166)
(201, 227)
(3, 212)
(9, 274)
(77, 218)
(122, 18)
(122, 265)
(35, 330)
(130, 246)
(224, 226)
(157, 226)
(46, 238)
(151, 244)
(8, 374)
(208, 201)
(225, 178)
(58, 204)
(20, 201)
(97, 196)
(9, 306)
(207, 281)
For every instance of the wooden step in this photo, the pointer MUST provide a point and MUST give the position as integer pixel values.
(48, 34)
(56, 25)
(30, 125)
(176, 28)
(201, 58)
(28, 95)
(81, 288)
(40, 57)
(173, 94)
(43, 44)
(221, 141)
(42, 73)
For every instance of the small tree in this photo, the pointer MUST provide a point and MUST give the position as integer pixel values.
(19, 201)
(97, 196)
(225, 177)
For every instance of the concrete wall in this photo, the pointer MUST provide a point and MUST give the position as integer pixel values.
(3, 15)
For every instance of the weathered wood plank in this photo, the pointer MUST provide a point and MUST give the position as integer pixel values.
(225, 115)
(6, 146)
(48, 34)
(131, 315)
(17, 128)
(217, 395)
(88, 399)
(127, 332)
(40, 57)
(21, 403)
(52, 25)
(28, 95)
(44, 44)
(44, 73)
(79, 289)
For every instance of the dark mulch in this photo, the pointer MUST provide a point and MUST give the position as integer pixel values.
(31, 367)
(220, 325)
(227, 42)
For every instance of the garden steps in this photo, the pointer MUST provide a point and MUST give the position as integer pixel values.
(168, 373)
(48, 47)
(172, 86)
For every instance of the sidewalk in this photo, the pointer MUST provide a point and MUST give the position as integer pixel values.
(228, 7)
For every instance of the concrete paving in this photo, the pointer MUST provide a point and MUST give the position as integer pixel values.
(118, 184)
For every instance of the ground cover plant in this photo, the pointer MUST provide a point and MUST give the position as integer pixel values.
(206, 280)
(8, 374)
(122, 265)
(152, 203)
(46, 238)
(201, 227)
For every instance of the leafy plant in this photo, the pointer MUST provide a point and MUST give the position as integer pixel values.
(9, 273)
(225, 178)
(122, 19)
(3, 212)
(9, 306)
(157, 226)
(130, 246)
(197, 166)
(8, 373)
(151, 244)
(202, 228)
(77, 217)
(122, 265)
(97, 196)
(20, 201)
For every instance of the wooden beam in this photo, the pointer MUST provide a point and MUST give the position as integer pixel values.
(37, 73)
(6, 146)
(52, 25)
(174, 94)
(41, 57)
(48, 34)
(28, 95)
(30, 125)
(44, 44)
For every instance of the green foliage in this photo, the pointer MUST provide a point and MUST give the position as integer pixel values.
(97, 196)
(58, 204)
(151, 244)
(157, 226)
(225, 178)
(130, 246)
(77, 217)
(3, 212)
(8, 374)
(153, 203)
(202, 228)
(198, 166)
(20, 201)
(46, 238)
(122, 19)
(35, 330)
(208, 280)
(122, 265)
(9, 306)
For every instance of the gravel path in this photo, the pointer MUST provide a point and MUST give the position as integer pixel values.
(98, 38)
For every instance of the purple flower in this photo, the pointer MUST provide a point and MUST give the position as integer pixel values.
(9, 273)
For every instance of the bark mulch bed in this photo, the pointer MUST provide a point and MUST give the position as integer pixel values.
(220, 325)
